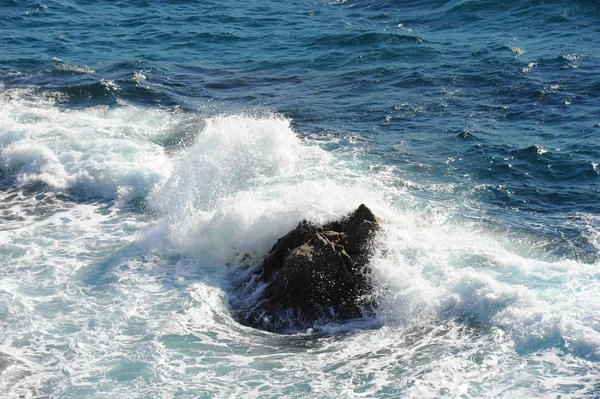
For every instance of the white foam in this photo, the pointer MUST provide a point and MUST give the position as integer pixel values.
(127, 305)
(228, 156)
(100, 151)
(246, 181)
(432, 266)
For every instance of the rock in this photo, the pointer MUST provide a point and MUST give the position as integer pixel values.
(315, 273)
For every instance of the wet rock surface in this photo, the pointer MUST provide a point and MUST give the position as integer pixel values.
(314, 273)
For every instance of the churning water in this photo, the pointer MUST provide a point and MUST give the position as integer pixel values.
(147, 149)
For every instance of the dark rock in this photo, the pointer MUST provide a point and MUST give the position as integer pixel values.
(315, 273)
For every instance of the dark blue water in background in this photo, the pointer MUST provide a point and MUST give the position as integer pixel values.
(491, 109)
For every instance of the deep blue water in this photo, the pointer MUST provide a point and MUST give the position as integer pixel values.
(146, 144)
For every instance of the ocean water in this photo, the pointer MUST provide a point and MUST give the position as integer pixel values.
(150, 149)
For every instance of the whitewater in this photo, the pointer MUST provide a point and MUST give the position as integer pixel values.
(113, 299)
(151, 152)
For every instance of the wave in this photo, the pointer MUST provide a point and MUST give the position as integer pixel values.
(97, 152)
(238, 182)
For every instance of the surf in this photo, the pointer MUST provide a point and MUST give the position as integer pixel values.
(125, 277)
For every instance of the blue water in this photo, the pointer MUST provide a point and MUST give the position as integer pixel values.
(147, 147)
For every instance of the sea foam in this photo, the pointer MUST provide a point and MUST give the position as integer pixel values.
(96, 152)
(127, 296)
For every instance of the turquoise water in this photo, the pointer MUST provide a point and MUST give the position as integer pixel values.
(147, 147)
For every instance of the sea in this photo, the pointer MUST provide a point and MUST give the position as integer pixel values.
(150, 150)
